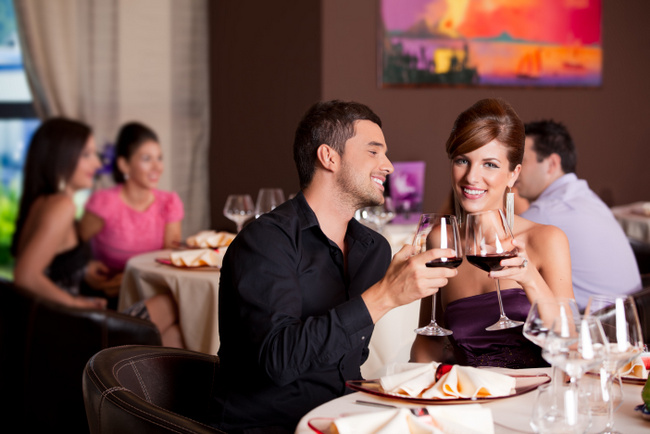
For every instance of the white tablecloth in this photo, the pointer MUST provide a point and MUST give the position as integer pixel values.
(510, 415)
(196, 292)
(393, 335)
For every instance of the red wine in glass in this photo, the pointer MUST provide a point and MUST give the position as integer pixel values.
(490, 262)
(445, 262)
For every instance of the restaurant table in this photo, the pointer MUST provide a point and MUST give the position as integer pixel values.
(510, 415)
(634, 222)
(195, 291)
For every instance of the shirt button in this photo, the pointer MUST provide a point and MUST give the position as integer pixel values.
(363, 338)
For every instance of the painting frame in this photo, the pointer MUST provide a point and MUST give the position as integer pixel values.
(416, 47)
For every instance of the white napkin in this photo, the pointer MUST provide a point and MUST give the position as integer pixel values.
(196, 258)
(409, 378)
(636, 368)
(448, 419)
(210, 239)
(418, 380)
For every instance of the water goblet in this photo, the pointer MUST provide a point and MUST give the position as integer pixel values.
(488, 241)
(267, 200)
(559, 410)
(239, 208)
(378, 216)
(438, 231)
(620, 321)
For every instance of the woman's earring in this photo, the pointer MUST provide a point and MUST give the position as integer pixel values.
(62, 185)
(510, 208)
(126, 176)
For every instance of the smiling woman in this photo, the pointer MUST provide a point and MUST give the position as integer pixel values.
(485, 148)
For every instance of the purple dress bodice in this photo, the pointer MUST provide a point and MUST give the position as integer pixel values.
(474, 346)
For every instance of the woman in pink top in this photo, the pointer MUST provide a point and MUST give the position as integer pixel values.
(133, 217)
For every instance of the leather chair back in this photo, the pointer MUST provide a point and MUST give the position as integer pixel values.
(44, 347)
(149, 390)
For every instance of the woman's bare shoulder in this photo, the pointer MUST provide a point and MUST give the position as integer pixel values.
(54, 207)
(536, 234)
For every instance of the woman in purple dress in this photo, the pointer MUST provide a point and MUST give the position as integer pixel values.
(486, 147)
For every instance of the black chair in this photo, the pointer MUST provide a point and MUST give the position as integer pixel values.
(44, 348)
(149, 390)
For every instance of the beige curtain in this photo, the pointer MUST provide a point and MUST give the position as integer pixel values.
(107, 62)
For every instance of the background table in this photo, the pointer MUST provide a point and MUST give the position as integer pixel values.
(635, 225)
(510, 415)
(195, 291)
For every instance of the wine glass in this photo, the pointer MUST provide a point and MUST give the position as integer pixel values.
(378, 215)
(488, 241)
(620, 321)
(239, 208)
(438, 231)
(540, 318)
(575, 345)
(267, 200)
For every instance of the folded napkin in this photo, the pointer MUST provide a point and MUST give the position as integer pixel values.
(453, 419)
(210, 239)
(196, 258)
(636, 368)
(418, 380)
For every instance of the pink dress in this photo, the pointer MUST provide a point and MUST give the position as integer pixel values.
(128, 232)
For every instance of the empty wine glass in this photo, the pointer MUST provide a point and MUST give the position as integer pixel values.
(576, 346)
(379, 215)
(540, 318)
(488, 241)
(620, 321)
(267, 200)
(438, 231)
(239, 208)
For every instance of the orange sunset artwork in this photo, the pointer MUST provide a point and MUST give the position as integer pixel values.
(491, 42)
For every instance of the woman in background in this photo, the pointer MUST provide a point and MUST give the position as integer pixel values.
(134, 216)
(52, 260)
(486, 147)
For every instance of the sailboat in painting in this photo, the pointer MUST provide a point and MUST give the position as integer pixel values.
(530, 65)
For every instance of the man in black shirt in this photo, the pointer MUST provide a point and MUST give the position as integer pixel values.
(302, 286)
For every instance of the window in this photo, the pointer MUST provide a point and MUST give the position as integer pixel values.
(18, 122)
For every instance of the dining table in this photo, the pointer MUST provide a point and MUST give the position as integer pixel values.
(195, 290)
(634, 218)
(509, 414)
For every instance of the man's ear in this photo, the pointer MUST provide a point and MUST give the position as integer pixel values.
(554, 164)
(328, 157)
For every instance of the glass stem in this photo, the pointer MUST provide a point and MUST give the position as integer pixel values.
(503, 314)
(433, 310)
(610, 403)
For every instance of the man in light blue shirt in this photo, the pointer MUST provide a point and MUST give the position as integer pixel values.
(602, 260)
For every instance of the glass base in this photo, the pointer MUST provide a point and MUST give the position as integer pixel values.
(433, 329)
(504, 323)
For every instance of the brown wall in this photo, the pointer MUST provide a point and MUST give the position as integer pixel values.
(255, 112)
(266, 71)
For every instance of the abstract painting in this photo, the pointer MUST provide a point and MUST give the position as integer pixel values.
(538, 43)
